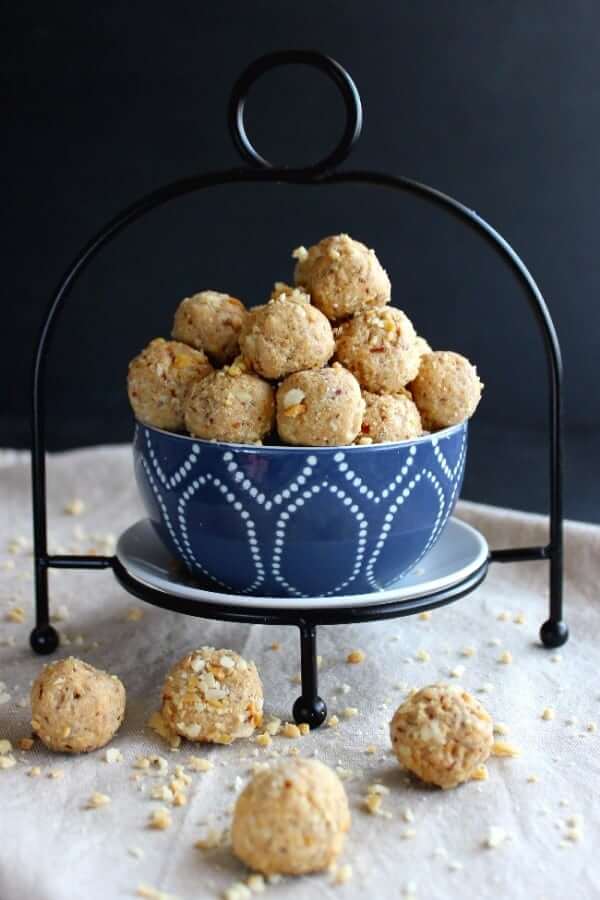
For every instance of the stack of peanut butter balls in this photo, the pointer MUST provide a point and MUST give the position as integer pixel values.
(327, 362)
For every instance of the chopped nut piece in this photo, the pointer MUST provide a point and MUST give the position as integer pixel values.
(408, 815)
(142, 762)
(237, 891)
(34, 772)
(356, 656)
(275, 645)
(349, 712)
(74, 507)
(212, 840)
(371, 749)
(304, 728)
(372, 803)
(112, 755)
(500, 728)
(501, 748)
(273, 726)
(503, 616)
(5, 746)
(333, 721)
(422, 656)
(457, 672)
(342, 874)
(548, 714)
(162, 792)
(160, 819)
(485, 688)
(495, 838)
(25, 743)
(425, 616)
(134, 614)
(264, 739)
(532, 779)
(256, 883)
(556, 658)
(591, 727)
(408, 833)
(519, 619)
(7, 762)
(505, 657)
(199, 764)
(468, 651)
(97, 800)
(480, 773)
(56, 774)
(290, 730)
(16, 615)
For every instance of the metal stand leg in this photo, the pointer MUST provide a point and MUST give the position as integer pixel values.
(309, 707)
(43, 638)
(554, 632)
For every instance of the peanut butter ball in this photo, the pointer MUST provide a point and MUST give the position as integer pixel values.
(231, 405)
(286, 335)
(159, 379)
(213, 696)
(447, 389)
(76, 708)
(380, 348)
(210, 321)
(442, 734)
(291, 819)
(342, 276)
(390, 417)
(319, 408)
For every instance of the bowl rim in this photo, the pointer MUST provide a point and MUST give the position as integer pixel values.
(286, 448)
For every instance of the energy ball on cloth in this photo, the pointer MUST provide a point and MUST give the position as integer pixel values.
(291, 819)
(390, 417)
(76, 708)
(342, 276)
(442, 734)
(213, 696)
(286, 335)
(319, 408)
(379, 347)
(210, 321)
(159, 379)
(447, 389)
(231, 405)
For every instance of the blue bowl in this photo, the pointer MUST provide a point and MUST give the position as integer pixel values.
(299, 522)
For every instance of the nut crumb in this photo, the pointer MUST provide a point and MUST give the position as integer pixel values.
(468, 651)
(199, 764)
(333, 721)
(519, 619)
(505, 658)
(16, 615)
(112, 755)
(495, 838)
(457, 672)
(548, 714)
(290, 730)
(160, 819)
(500, 728)
(275, 646)
(74, 507)
(503, 616)
(356, 656)
(532, 779)
(350, 712)
(256, 883)
(34, 772)
(371, 749)
(304, 728)
(422, 656)
(25, 744)
(425, 616)
(97, 800)
(502, 748)
(480, 774)
(264, 739)
(57, 774)
(342, 874)
(136, 852)
(134, 614)
(150, 893)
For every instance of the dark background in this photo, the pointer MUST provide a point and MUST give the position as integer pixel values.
(495, 103)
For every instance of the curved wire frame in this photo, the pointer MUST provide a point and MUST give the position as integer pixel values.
(554, 632)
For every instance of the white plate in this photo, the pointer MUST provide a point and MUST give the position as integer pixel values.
(460, 551)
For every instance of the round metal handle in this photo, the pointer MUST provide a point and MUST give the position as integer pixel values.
(326, 64)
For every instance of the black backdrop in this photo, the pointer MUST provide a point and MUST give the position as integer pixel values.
(495, 103)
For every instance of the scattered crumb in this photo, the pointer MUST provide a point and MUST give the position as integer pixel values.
(112, 755)
(237, 891)
(57, 774)
(425, 616)
(290, 730)
(457, 672)
(7, 762)
(264, 739)
(502, 748)
(422, 656)
(256, 883)
(455, 866)
(500, 728)
(97, 800)
(350, 712)
(16, 615)
(591, 727)
(275, 646)
(34, 772)
(134, 614)
(505, 657)
(503, 616)
(74, 507)
(532, 779)
(342, 874)
(150, 893)
(519, 619)
(494, 642)
(495, 838)
(333, 721)
(556, 658)
(408, 815)
(548, 714)
(371, 749)
(199, 764)
(160, 819)
(136, 852)
(356, 656)
(407, 834)
(212, 840)
(480, 773)
(25, 744)
(273, 726)
(5, 746)
(468, 651)
(486, 688)
(304, 728)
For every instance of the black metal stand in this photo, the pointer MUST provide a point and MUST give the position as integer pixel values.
(309, 707)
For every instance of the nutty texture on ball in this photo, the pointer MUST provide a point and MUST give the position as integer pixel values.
(342, 276)
(286, 335)
(319, 408)
(291, 819)
(76, 708)
(213, 696)
(442, 734)
(447, 389)
(379, 347)
(390, 417)
(231, 405)
(210, 321)
(158, 381)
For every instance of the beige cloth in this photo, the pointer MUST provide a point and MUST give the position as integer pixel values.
(51, 848)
